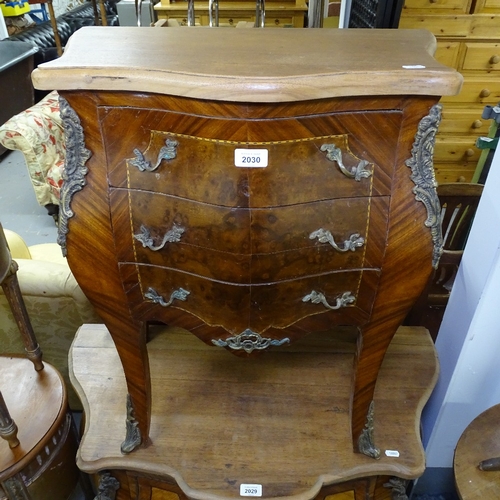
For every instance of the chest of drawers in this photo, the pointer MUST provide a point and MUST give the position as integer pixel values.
(468, 35)
(334, 221)
(283, 14)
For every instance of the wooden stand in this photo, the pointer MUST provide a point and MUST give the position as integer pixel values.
(281, 420)
(480, 441)
(42, 465)
(38, 445)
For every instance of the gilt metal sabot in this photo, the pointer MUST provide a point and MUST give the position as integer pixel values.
(108, 486)
(366, 442)
(133, 436)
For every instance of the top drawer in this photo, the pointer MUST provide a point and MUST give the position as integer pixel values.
(438, 5)
(482, 56)
(308, 166)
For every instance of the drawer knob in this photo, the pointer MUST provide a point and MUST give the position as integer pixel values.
(248, 341)
(333, 153)
(495, 59)
(318, 298)
(167, 152)
(324, 236)
(477, 124)
(484, 93)
(154, 296)
(171, 236)
(469, 152)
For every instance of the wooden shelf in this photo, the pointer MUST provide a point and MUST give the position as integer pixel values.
(281, 420)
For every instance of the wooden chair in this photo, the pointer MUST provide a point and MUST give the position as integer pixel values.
(38, 447)
(459, 202)
(53, 22)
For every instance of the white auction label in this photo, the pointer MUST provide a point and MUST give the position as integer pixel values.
(253, 158)
(392, 453)
(250, 490)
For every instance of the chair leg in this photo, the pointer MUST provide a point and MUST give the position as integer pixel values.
(8, 429)
(53, 211)
(53, 22)
(12, 291)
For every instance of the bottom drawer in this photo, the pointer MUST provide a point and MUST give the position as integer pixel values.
(450, 172)
(156, 293)
(465, 121)
(456, 149)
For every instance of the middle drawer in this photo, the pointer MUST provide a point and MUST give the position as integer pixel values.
(256, 245)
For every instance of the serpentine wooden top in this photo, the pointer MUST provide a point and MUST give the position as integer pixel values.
(250, 65)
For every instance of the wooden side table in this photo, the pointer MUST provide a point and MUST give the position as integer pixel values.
(281, 422)
(480, 441)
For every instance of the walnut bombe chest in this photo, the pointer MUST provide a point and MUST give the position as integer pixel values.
(251, 194)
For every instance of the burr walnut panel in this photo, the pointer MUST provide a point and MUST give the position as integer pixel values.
(257, 245)
(367, 141)
(156, 293)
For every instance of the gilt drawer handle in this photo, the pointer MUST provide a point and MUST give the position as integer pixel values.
(248, 341)
(324, 236)
(318, 298)
(333, 153)
(171, 236)
(167, 152)
(154, 296)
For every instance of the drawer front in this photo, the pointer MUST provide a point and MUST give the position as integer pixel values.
(456, 149)
(179, 16)
(484, 26)
(279, 21)
(447, 53)
(488, 6)
(439, 25)
(335, 155)
(216, 179)
(463, 121)
(157, 293)
(477, 90)
(454, 172)
(482, 56)
(438, 5)
(249, 245)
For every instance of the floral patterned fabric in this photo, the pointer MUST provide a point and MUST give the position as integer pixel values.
(38, 133)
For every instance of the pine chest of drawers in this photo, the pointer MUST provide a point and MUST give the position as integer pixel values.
(220, 183)
(468, 35)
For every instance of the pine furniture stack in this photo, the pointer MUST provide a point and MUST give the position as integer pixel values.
(468, 36)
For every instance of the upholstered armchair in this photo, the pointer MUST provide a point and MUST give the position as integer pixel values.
(55, 303)
(38, 133)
